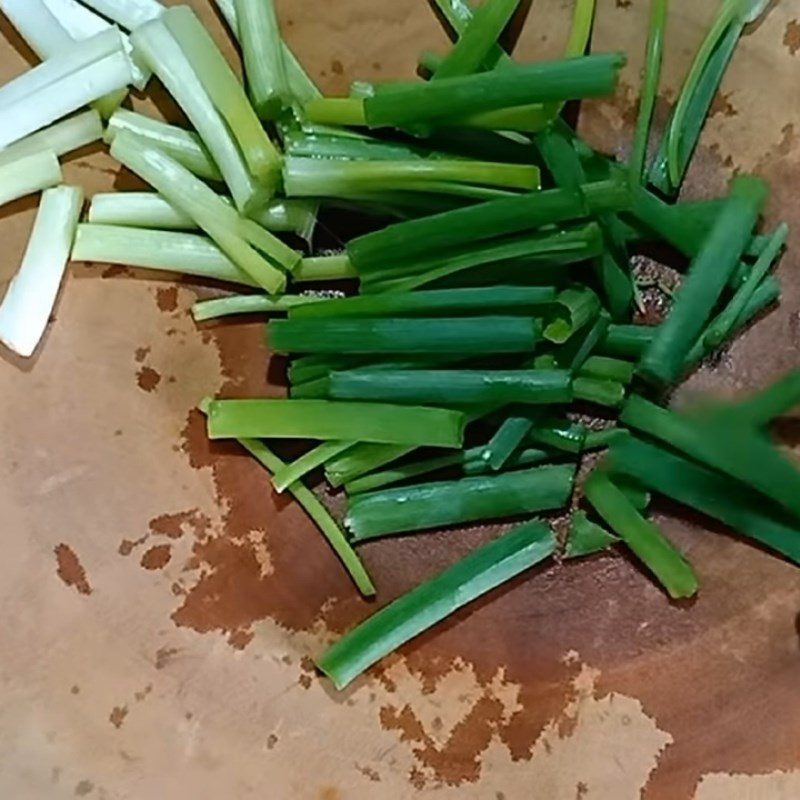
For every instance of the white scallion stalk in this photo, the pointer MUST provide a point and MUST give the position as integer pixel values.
(27, 175)
(250, 304)
(37, 26)
(61, 138)
(184, 146)
(150, 210)
(227, 94)
(263, 56)
(167, 251)
(234, 235)
(128, 14)
(160, 51)
(302, 88)
(81, 23)
(316, 177)
(32, 294)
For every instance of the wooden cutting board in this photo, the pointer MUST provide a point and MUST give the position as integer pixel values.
(161, 604)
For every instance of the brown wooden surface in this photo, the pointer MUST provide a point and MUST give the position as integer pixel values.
(160, 604)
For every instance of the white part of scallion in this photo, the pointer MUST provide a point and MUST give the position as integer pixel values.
(31, 296)
(168, 251)
(227, 95)
(221, 222)
(27, 175)
(264, 63)
(61, 138)
(128, 14)
(184, 146)
(81, 23)
(36, 24)
(164, 56)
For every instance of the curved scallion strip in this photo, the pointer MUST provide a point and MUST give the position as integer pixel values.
(296, 470)
(479, 573)
(314, 508)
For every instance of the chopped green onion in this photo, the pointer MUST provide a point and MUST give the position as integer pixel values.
(128, 14)
(344, 422)
(653, 59)
(509, 437)
(477, 574)
(710, 272)
(597, 440)
(671, 569)
(404, 472)
(476, 464)
(478, 40)
(574, 309)
(577, 352)
(27, 175)
(186, 192)
(312, 506)
(31, 296)
(184, 146)
(443, 301)
(609, 369)
(353, 335)
(453, 387)
(184, 253)
(587, 538)
(264, 63)
(363, 459)
(227, 94)
(437, 505)
(601, 392)
(567, 436)
(324, 268)
(60, 139)
(627, 341)
(455, 98)
(708, 492)
(249, 304)
(739, 452)
(285, 478)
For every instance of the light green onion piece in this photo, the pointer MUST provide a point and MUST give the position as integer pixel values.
(27, 175)
(430, 603)
(128, 14)
(286, 478)
(249, 304)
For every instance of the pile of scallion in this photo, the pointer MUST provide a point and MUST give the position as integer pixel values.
(492, 347)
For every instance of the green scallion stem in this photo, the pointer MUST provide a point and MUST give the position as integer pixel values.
(508, 438)
(403, 472)
(599, 391)
(295, 471)
(431, 602)
(587, 538)
(643, 537)
(438, 505)
(249, 304)
(330, 421)
(574, 309)
(324, 268)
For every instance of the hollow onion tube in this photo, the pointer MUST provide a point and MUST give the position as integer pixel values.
(31, 296)
(453, 387)
(319, 514)
(60, 139)
(184, 146)
(83, 73)
(645, 540)
(230, 232)
(227, 94)
(316, 177)
(27, 175)
(264, 63)
(431, 602)
(439, 335)
(184, 253)
(164, 56)
(325, 420)
(437, 505)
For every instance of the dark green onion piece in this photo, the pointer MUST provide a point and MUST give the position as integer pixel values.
(739, 452)
(511, 434)
(363, 459)
(609, 369)
(407, 241)
(664, 360)
(480, 572)
(575, 353)
(404, 472)
(344, 422)
(437, 505)
(569, 437)
(652, 75)
(587, 538)
(708, 492)
(627, 341)
(597, 440)
(458, 335)
(457, 98)
(476, 464)
(453, 387)
(642, 536)
(298, 469)
(601, 392)
(443, 301)
(478, 39)
(725, 323)
(314, 508)
(574, 310)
